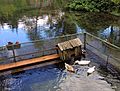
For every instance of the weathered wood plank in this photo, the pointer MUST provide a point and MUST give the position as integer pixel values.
(28, 62)
(69, 44)
(61, 48)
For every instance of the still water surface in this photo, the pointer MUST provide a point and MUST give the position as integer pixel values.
(35, 20)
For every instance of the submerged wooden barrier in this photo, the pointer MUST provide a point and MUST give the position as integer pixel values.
(70, 49)
(28, 62)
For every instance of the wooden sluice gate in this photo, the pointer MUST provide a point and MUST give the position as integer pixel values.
(64, 51)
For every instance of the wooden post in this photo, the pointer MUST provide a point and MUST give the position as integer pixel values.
(84, 40)
(13, 53)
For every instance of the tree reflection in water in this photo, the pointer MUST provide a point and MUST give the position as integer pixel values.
(39, 19)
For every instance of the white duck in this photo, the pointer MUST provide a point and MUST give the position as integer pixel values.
(90, 70)
(82, 62)
(69, 67)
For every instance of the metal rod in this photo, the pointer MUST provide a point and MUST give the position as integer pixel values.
(104, 41)
(13, 53)
(70, 35)
(84, 41)
(107, 60)
(101, 52)
(55, 48)
(73, 35)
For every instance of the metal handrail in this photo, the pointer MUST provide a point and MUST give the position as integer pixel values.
(70, 35)
(35, 52)
(104, 41)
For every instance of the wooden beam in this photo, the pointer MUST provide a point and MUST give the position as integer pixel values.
(28, 62)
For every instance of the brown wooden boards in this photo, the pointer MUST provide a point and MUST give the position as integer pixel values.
(70, 44)
(27, 62)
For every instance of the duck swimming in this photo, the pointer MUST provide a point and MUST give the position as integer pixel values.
(82, 62)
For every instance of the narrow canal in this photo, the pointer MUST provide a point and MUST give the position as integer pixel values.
(56, 78)
(29, 20)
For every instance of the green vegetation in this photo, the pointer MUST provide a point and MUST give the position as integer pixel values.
(91, 21)
(116, 1)
(69, 23)
(94, 5)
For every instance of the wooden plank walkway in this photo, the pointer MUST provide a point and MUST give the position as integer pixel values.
(28, 62)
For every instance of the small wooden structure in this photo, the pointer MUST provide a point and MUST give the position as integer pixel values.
(70, 49)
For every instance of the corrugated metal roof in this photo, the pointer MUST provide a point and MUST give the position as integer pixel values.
(69, 44)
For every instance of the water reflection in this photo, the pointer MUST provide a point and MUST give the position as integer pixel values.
(79, 29)
(7, 34)
(111, 34)
(39, 19)
(102, 25)
(30, 28)
(35, 16)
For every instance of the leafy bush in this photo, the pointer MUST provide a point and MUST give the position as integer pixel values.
(92, 5)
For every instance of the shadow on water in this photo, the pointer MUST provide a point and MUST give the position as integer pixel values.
(54, 77)
(43, 78)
